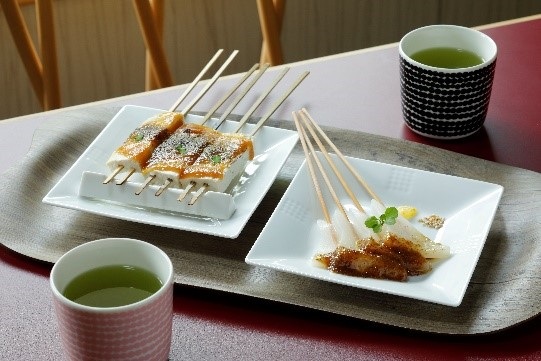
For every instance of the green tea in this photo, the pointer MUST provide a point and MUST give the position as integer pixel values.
(112, 286)
(450, 58)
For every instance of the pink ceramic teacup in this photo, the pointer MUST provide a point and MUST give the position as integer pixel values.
(137, 331)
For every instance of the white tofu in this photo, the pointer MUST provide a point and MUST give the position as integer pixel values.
(231, 174)
(140, 144)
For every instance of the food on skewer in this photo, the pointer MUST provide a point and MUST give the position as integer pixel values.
(364, 264)
(198, 156)
(192, 155)
(380, 243)
(133, 154)
(357, 229)
(169, 160)
(214, 172)
(166, 155)
(396, 251)
(221, 162)
(404, 229)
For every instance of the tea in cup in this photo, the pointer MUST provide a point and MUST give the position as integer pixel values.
(114, 300)
(446, 76)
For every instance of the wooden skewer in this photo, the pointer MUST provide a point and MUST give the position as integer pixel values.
(190, 105)
(196, 81)
(279, 102)
(344, 160)
(265, 117)
(203, 91)
(332, 164)
(173, 108)
(205, 186)
(113, 174)
(315, 182)
(258, 102)
(229, 93)
(323, 173)
(125, 179)
(185, 191)
(215, 107)
(313, 176)
(210, 83)
(149, 179)
(237, 100)
(198, 194)
(163, 187)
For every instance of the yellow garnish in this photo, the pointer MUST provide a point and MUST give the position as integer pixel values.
(407, 212)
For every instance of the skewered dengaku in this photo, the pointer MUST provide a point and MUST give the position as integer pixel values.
(134, 153)
(220, 162)
(170, 159)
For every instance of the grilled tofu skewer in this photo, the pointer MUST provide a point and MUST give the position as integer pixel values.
(133, 154)
(192, 156)
(172, 158)
(198, 155)
(138, 147)
(220, 163)
(234, 162)
(179, 152)
(169, 160)
(217, 164)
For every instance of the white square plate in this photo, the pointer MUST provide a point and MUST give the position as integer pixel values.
(272, 147)
(290, 239)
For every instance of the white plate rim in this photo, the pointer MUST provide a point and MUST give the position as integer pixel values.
(302, 266)
(64, 193)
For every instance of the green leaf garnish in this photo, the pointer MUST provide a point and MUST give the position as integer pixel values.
(138, 137)
(389, 217)
(181, 149)
(374, 223)
(216, 159)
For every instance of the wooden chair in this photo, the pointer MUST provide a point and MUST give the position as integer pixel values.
(271, 13)
(150, 15)
(43, 73)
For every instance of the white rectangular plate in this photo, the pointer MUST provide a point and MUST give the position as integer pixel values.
(290, 239)
(272, 147)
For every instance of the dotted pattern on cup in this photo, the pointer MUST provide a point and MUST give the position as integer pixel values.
(445, 105)
(142, 333)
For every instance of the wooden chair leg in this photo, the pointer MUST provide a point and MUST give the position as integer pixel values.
(157, 7)
(153, 43)
(43, 74)
(271, 14)
(47, 42)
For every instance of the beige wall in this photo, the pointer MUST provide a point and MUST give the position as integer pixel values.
(101, 51)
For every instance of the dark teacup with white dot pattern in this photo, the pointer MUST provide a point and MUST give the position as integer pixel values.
(446, 103)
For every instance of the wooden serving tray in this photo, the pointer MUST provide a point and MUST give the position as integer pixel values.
(503, 291)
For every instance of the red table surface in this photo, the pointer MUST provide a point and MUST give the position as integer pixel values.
(217, 325)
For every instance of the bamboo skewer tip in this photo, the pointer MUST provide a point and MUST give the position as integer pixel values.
(148, 180)
(126, 177)
(196, 80)
(164, 186)
(185, 191)
(310, 153)
(113, 174)
(198, 194)
(218, 73)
